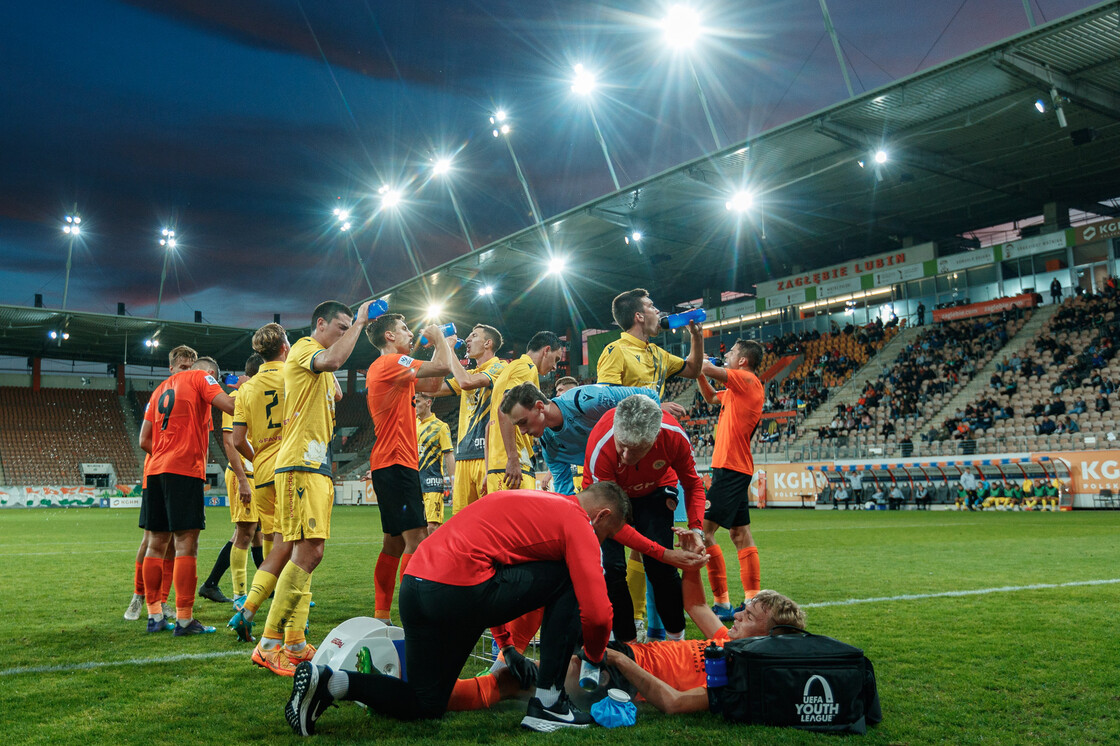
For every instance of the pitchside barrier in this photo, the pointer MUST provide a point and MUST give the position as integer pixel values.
(1085, 477)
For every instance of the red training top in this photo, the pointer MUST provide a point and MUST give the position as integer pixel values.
(742, 409)
(390, 391)
(512, 527)
(179, 412)
(668, 461)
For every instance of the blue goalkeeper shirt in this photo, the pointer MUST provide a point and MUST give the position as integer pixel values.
(581, 407)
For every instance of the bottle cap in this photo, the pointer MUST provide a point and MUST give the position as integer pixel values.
(618, 695)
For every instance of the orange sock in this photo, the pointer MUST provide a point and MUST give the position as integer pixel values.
(405, 559)
(153, 580)
(384, 582)
(717, 575)
(479, 693)
(523, 628)
(138, 579)
(168, 575)
(749, 571)
(186, 578)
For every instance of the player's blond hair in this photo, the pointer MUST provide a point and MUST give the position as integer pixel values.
(182, 352)
(207, 363)
(269, 341)
(783, 610)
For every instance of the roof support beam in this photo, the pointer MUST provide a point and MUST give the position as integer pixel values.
(1082, 92)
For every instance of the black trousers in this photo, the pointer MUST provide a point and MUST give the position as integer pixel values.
(653, 518)
(442, 624)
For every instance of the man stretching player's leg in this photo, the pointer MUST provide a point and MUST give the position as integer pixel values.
(500, 557)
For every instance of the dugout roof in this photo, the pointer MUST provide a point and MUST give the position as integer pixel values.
(967, 150)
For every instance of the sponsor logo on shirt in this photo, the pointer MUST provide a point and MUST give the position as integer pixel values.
(404, 360)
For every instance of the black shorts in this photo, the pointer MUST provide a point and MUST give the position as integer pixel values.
(399, 498)
(729, 498)
(173, 502)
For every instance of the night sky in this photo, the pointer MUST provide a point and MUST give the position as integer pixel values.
(243, 124)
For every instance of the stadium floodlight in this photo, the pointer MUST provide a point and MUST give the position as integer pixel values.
(1040, 105)
(681, 27)
(499, 118)
(584, 81)
(441, 166)
(582, 85)
(169, 242)
(152, 343)
(635, 237)
(435, 310)
(57, 335)
(740, 202)
(556, 265)
(880, 156)
(390, 198)
(486, 290)
(72, 227)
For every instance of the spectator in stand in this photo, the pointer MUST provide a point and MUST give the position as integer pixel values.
(921, 314)
(1079, 406)
(1056, 291)
(1070, 425)
(1102, 404)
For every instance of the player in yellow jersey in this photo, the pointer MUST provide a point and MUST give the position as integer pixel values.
(304, 486)
(635, 361)
(234, 555)
(258, 429)
(474, 388)
(509, 453)
(437, 461)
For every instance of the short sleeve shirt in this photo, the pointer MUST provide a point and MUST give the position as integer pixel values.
(517, 372)
(179, 413)
(632, 362)
(260, 408)
(390, 388)
(308, 412)
(433, 440)
(227, 427)
(474, 412)
(738, 418)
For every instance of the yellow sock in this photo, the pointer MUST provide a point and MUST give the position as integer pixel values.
(238, 559)
(636, 582)
(289, 592)
(297, 622)
(264, 583)
(266, 547)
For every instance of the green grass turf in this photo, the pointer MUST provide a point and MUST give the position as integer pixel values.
(1024, 666)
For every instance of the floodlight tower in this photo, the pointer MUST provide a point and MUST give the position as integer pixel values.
(168, 242)
(584, 85)
(502, 128)
(344, 225)
(442, 167)
(72, 227)
(681, 28)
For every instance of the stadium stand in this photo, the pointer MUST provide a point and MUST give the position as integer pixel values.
(45, 436)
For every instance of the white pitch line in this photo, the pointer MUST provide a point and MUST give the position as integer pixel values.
(129, 662)
(953, 594)
(848, 602)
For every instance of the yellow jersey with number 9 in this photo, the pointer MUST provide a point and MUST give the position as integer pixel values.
(259, 406)
(308, 412)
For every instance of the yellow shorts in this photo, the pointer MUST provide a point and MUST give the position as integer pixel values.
(497, 481)
(239, 512)
(304, 502)
(433, 507)
(470, 476)
(264, 498)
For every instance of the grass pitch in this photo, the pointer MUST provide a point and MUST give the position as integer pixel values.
(1009, 664)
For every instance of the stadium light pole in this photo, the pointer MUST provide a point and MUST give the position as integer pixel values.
(836, 46)
(681, 28)
(502, 128)
(344, 226)
(584, 85)
(442, 168)
(168, 242)
(72, 227)
(391, 199)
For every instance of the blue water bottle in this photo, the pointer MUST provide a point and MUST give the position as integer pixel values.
(377, 308)
(677, 320)
(715, 666)
(448, 330)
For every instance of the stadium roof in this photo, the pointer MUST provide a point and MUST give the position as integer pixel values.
(966, 149)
